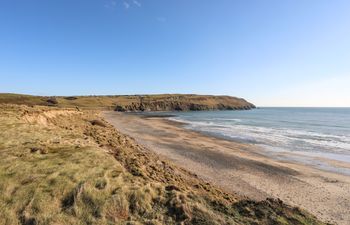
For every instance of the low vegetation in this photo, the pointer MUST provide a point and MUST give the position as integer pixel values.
(68, 166)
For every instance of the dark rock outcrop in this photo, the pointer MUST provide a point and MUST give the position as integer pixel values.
(71, 98)
(52, 101)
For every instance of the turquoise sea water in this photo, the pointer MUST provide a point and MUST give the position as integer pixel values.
(316, 132)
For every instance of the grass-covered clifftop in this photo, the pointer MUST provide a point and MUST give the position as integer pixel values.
(69, 166)
(165, 102)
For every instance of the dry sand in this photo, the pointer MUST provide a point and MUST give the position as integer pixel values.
(241, 168)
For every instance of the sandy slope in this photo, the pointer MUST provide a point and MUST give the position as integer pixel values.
(239, 168)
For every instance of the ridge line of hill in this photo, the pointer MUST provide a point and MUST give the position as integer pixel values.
(134, 103)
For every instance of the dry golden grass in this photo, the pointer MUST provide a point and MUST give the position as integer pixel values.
(56, 167)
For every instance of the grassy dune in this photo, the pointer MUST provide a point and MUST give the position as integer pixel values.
(66, 166)
(22, 99)
(164, 102)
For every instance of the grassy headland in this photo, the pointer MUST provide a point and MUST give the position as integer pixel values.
(165, 102)
(69, 166)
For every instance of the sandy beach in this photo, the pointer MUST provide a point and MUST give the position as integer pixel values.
(241, 168)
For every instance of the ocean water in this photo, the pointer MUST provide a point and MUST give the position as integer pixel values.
(313, 132)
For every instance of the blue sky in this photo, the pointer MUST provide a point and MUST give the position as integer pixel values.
(271, 52)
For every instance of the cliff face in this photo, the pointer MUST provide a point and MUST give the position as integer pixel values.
(184, 103)
(131, 103)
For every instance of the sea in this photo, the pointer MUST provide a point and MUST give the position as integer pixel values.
(308, 133)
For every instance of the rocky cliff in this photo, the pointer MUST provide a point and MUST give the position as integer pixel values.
(184, 103)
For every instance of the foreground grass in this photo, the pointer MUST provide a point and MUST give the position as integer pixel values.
(60, 166)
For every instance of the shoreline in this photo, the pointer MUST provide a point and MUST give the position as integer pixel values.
(326, 161)
(240, 168)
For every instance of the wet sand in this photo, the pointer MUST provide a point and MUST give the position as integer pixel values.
(241, 168)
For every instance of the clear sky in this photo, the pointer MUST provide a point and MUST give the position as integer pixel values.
(271, 52)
